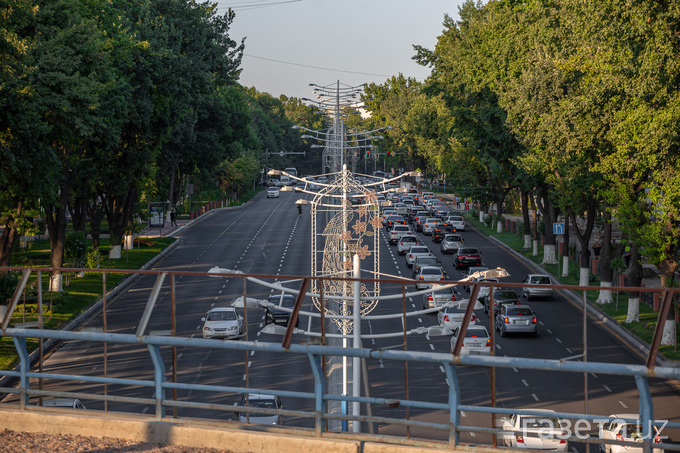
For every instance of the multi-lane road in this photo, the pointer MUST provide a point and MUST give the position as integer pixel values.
(267, 236)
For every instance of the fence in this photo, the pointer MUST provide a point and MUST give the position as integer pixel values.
(165, 384)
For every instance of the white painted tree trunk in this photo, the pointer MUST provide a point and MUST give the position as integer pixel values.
(605, 296)
(535, 248)
(481, 216)
(583, 276)
(668, 336)
(549, 254)
(633, 314)
(114, 253)
(565, 266)
(527, 241)
(56, 282)
(129, 242)
(499, 227)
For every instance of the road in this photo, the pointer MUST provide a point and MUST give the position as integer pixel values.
(266, 236)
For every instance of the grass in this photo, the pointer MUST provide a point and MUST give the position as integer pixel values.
(78, 292)
(617, 310)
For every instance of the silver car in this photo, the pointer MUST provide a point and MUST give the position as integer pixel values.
(259, 400)
(516, 319)
(438, 298)
(416, 251)
(427, 275)
(457, 221)
(476, 341)
(452, 317)
(406, 242)
(450, 243)
(424, 261)
(429, 225)
(542, 292)
(222, 322)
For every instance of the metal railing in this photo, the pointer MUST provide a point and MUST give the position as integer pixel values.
(165, 384)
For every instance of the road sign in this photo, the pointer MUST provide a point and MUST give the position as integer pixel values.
(558, 228)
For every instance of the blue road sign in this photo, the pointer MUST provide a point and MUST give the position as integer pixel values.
(558, 228)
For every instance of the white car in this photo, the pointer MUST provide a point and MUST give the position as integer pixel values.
(406, 242)
(452, 317)
(273, 192)
(476, 341)
(222, 322)
(260, 401)
(540, 431)
(439, 297)
(398, 231)
(619, 429)
(401, 208)
(428, 275)
(537, 279)
(416, 251)
(429, 225)
(457, 221)
(451, 242)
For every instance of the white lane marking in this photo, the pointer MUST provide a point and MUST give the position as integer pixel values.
(593, 375)
(541, 323)
(420, 320)
(462, 413)
(569, 350)
(498, 347)
(472, 434)
(515, 370)
(607, 389)
(524, 381)
(623, 404)
(179, 356)
(431, 346)
(574, 449)
(145, 410)
(441, 368)
(535, 397)
(549, 331)
(558, 340)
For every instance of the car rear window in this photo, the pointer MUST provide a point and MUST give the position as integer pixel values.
(469, 252)
(541, 280)
(506, 294)
(524, 311)
(431, 271)
(409, 239)
(475, 333)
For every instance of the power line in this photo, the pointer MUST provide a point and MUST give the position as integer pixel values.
(316, 67)
(247, 6)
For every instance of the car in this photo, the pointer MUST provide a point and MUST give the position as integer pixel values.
(516, 319)
(542, 292)
(423, 260)
(451, 242)
(263, 401)
(429, 225)
(619, 429)
(440, 230)
(465, 257)
(401, 209)
(484, 290)
(476, 341)
(442, 212)
(427, 275)
(435, 206)
(501, 296)
(393, 220)
(415, 251)
(273, 192)
(473, 270)
(438, 298)
(406, 242)
(542, 431)
(276, 316)
(452, 317)
(398, 231)
(419, 221)
(222, 322)
(69, 403)
(457, 221)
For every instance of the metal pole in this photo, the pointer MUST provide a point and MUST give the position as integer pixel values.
(356, 361)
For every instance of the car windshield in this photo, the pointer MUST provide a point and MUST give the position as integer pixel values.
(539, 421)
(221, 316)
(288, 301)
(520, 311)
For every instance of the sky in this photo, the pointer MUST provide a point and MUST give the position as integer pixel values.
(292, 43)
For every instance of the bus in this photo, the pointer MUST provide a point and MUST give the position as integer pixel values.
(292, 172)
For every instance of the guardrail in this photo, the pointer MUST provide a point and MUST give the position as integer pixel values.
(164, 382)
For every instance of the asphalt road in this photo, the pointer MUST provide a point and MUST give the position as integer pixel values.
(266, 236)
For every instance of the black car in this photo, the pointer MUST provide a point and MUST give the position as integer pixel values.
(501, 296)
(440, 230)
(424, 260)
(274, 315)
(465, 257)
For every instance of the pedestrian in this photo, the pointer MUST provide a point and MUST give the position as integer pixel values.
(173, 218)
(299, 209)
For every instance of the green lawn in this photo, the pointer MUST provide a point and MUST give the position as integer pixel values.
(78, 292)
(644, 329)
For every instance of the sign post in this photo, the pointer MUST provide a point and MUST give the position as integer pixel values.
(558, 228)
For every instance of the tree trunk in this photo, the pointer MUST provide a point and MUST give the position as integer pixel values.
(526, 220)
(549, 256)
(9, 235)
(584, 240)
(633, 314)
(667, 268)
(565, 250)
(79, 213)
(606, 272)
(119, 214)
(55, 217)
(635, 280)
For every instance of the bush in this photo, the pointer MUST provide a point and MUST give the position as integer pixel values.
(94, 259)
(75, 248)
(8, 284)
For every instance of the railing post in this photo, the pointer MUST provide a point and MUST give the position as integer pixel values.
(159, 379)
(646, 412)
(24, 368)
(454, 401)
(319, 392)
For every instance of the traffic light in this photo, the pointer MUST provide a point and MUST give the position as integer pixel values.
(368, 153)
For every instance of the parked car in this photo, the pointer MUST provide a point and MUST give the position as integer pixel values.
(406, 242)
(537, 279)
(457, 221)
(438, 298)
(222, 322)
(415, 251)
(423, 260)
(619, 429)
(274, 315)
(427, 275)
(451, 243)
(440, 230)
(476, 341)
(516, 319)
(465, 257)
(501, 296)
(273, 192)
(259, 400)
(398, 231)
(547, 430)
(429, 225)
(452, 317)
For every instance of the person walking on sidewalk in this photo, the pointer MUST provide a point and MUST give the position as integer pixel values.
(173, 218)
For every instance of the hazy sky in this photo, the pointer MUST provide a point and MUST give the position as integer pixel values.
(322, 41)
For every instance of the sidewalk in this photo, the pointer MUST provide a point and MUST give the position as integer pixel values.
(166, 230)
